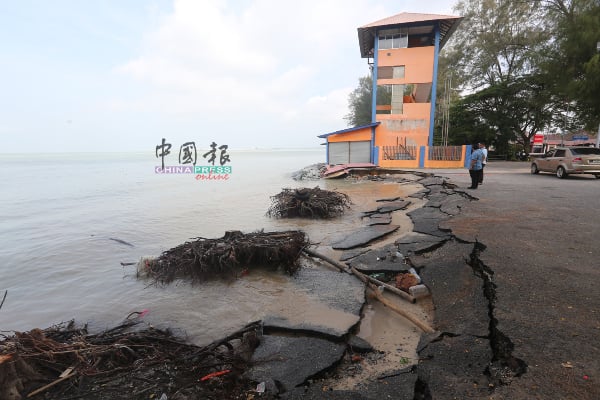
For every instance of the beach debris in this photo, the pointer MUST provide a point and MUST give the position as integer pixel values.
(65, 361)
(126, 264)
(405, 280)
(226, 257)
(311, 172)
(365, 278)
(121, 241)
(419, 291)
(415, 273)
(424, 326)
(308, 203)
(214, 375)
(137, 314)
(374, 285)
(3, 298)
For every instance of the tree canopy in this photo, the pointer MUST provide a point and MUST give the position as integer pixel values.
(517, 68)
(359, 103)
(573, 59)
(523, 68)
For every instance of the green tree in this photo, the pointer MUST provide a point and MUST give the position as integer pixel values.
(497, 41)
(493, 58)
(572, 60)
(359, 103)
(502, 113)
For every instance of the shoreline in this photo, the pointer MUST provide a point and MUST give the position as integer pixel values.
(430, 185)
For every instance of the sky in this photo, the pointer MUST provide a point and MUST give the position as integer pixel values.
(118, 76)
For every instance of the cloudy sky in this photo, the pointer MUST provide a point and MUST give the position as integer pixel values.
(114, 75)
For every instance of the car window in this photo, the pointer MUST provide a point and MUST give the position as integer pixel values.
(586, 151)
(550, 153)
(559, 153)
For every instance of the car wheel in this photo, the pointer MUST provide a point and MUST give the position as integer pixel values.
(597, 176)
(534, 169)
(561, 173)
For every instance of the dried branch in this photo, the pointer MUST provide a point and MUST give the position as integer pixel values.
(205, 258)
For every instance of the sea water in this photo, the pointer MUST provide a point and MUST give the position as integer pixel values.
(68, 221)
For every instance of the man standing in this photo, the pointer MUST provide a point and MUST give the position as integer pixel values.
(484, 162)
(476, 167)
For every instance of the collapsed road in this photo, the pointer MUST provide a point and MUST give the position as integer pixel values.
(467, 357)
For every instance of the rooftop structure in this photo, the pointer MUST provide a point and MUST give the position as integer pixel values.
(403, 53)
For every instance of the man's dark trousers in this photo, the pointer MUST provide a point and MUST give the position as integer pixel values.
(476, 175)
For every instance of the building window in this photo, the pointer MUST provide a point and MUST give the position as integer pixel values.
(390, 99)
(390, 72)
(393, 39)
(398, 72)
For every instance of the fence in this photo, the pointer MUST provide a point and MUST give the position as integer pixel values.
(445, 153)
(399, 152)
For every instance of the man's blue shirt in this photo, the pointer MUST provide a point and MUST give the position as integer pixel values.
(477, 155)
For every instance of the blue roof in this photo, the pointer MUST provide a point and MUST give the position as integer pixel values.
(356, 128)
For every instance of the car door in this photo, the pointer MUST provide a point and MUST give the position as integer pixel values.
(543, 162)
(557, 159)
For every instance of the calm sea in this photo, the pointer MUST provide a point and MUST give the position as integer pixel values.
(60, 212)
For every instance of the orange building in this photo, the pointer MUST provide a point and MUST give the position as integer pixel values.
(403, 52)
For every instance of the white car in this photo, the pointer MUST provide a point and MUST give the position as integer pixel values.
(564, 161)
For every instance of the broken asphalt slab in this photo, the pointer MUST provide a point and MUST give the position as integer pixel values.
(290, 361)
(458, 294)
(417, 243)
(454, 367)
(380, 260)
(364, 236)
(350, 254)
(379, 219)
(427, 220)
(337, 299)
(393, 206)
(432, 181)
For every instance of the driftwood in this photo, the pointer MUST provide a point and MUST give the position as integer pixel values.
(225, 257)
(388, 287)
(308, 203)
(3, 298)
(366, 279)
(425, 327)
(54, 383)
(129, 361)
(363, 277)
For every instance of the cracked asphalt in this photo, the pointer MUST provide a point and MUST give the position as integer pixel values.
(533, 245)
(513, 270)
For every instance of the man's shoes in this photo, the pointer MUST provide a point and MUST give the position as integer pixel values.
(471, 187)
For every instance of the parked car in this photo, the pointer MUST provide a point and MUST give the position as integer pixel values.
(568, 160)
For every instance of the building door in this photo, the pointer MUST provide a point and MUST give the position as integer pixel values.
(349, 152)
